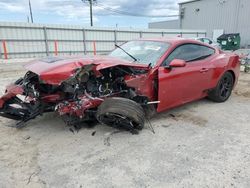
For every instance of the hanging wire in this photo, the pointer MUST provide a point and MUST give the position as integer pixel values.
(121, 12)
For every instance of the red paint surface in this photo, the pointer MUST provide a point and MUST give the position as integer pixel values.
(143, 84)
(11, 91)
(52, 98)
(181, 85)
(1, 102)
(55, 73)
(78, 108)
(178, 63)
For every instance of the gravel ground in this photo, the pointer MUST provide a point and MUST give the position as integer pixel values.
(201, 144)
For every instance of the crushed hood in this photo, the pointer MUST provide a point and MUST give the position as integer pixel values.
(54, 70)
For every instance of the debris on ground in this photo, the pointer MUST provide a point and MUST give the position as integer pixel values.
(27, 137)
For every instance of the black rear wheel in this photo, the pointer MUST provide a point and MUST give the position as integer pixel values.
(121, 113)
(223, 89)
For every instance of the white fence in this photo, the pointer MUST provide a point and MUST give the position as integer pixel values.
(24, 40)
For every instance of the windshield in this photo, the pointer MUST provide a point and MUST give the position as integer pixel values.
(146, 52)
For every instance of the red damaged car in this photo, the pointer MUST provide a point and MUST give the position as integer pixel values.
(120, 89)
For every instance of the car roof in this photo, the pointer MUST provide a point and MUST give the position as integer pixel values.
(164, 39)
(174, 40)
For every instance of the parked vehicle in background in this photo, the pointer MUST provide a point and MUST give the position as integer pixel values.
(141, 76)
(209, 41)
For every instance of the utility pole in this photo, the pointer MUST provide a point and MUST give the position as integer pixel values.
(90, 9)
(31, 16)
(91, 12)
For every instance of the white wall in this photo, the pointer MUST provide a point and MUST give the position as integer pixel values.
(169, 24)
(25, 40)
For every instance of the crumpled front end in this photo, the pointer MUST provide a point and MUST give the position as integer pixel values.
(10, 105)
(77, 95)
(22, 101)
(74, 112)
(94, 86)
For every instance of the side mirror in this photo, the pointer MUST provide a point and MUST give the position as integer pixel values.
(177, 63)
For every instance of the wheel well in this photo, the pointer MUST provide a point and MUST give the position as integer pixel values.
(230, 71)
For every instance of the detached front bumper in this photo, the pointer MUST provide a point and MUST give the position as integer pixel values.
(11, 91)
(10, 105)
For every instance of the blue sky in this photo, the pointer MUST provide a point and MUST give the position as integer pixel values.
(77, 12)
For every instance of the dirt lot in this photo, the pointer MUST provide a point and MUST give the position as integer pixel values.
(201, 144)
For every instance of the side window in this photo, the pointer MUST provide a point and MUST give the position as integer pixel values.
(189, 53)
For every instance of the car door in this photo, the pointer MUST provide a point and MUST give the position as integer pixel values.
(179, 85)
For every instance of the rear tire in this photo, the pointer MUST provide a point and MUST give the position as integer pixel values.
(121, 113)
(223, 89)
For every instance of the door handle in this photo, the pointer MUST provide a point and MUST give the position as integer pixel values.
(204, 70)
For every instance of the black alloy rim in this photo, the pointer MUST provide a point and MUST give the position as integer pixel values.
(226, 87)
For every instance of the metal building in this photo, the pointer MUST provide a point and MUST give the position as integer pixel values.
(170, 24)
(215, 16)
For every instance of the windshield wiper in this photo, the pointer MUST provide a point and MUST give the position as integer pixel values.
(126, 52)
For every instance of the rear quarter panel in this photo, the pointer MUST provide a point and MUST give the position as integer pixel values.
(234, 66)
(222, 63)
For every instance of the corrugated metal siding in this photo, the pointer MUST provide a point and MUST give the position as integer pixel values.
(125, 36)
(243, 26)
(38, 40)
(214, 14)
(170, 24)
